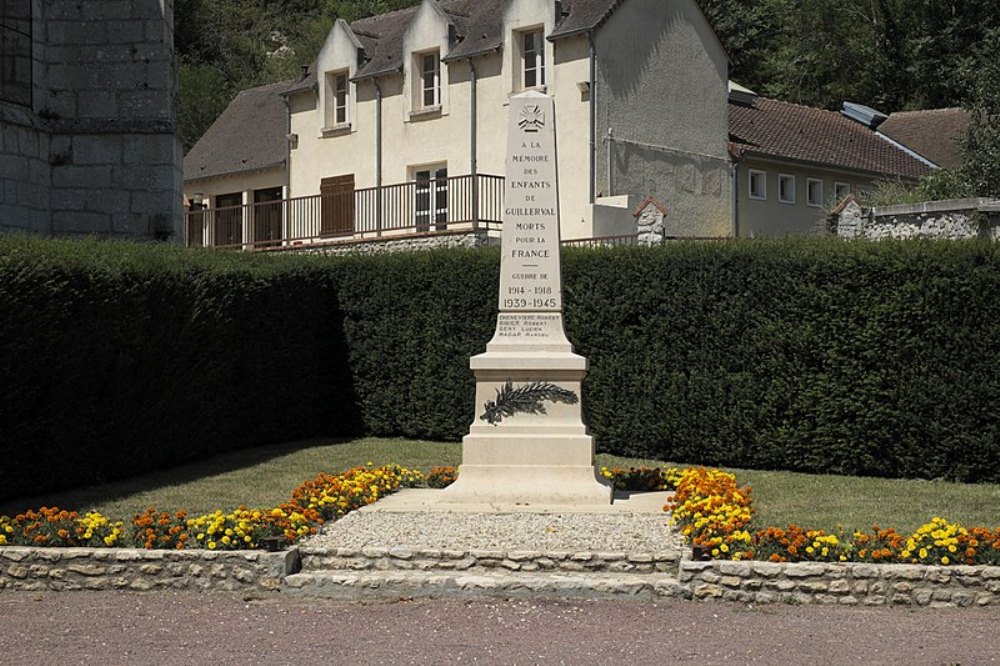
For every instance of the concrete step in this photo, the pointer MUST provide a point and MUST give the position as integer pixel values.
(403, 558)
(399, 584)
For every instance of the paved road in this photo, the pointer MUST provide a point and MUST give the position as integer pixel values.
(186, 627)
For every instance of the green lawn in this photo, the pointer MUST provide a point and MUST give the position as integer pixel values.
(266, 476)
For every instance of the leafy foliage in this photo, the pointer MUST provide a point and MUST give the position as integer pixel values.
(981, 145)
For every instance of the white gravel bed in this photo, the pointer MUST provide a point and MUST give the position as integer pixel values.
(554, 532)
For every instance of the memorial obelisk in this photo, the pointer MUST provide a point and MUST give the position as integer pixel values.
(528, 444)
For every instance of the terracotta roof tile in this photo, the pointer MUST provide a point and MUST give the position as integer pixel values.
(783, 130)
(933, 134)
(249, 135)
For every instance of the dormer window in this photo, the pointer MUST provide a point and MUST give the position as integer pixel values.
(532, 59)
(430, 77)
(337, 99)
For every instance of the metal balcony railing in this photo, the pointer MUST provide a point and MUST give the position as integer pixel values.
(441, 205)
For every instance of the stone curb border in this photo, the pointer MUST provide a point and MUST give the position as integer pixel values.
(58, 569)
(847, 583)
(432, 559)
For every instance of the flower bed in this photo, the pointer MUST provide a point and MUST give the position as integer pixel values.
(326, 497)
(716, 516)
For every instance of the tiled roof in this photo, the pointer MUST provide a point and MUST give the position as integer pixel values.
(584, 15)
(249, 135)
(933, 134)
(782, 130)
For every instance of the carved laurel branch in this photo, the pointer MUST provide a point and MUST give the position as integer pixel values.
(525, 399)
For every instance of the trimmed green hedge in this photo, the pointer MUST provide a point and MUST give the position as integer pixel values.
(820, 356)
(117, 359)
(856, 358)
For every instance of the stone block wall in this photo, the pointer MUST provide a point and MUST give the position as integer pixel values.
(467, 239)
(946, 220)
(846, 584)
(59, 569)
(97, 152)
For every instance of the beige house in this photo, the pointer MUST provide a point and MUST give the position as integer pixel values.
(238, 171)
(399, 127)
(398, 131)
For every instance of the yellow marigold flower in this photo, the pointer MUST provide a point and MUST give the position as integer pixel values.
(945, 560)
(226, 540)
(923, 553)
(211, 545)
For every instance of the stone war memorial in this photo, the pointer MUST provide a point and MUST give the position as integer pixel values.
(528, 444)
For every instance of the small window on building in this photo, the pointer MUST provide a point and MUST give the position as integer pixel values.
(430, 77)
(786, 188)
(532, 59)
(337, 99)
(15, 52)
(814, 192)
(841, 190)
(758, 184)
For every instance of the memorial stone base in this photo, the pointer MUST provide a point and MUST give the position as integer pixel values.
(530, 459)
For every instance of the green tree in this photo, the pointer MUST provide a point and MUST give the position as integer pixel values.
(981, 144)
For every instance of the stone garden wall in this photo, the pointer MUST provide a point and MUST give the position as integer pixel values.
(847, 584)
(58, 569)
(954, 219)
(468, 239)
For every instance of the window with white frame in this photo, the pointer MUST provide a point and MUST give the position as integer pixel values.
(786, 188)
(758, 184)
(431, 197)
(814, 192)
(841, 190)
(338, 98)
(430, 80)
(532, 59)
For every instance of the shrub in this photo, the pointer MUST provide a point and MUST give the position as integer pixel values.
(55, 527)
(118, 358)
(857, 358)
(715, 515)
(441, 477)
(642, 479)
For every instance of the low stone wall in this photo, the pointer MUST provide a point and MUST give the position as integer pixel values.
(945, 220)
(479, 561)
(847, 584)
(57, 569)
(468, 239)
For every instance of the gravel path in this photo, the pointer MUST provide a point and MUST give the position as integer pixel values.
(188, 627)
(568, 532)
